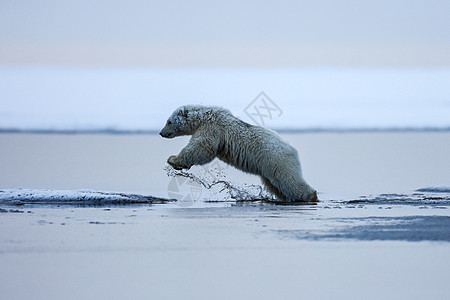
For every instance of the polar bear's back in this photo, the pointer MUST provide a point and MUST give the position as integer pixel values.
(252, 148)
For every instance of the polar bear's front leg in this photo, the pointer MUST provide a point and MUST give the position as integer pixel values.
(195, 153)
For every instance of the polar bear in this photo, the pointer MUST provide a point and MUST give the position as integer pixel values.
(253, 149)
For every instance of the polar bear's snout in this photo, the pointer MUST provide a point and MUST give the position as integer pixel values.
(166, 133)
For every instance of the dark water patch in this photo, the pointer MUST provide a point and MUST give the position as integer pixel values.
(401, 199)
(12, 211)
(409, 228)
(435, 189)
(393, 195)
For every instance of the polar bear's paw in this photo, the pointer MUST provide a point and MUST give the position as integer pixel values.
(173, 161)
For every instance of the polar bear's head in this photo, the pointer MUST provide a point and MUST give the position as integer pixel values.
(183, 121)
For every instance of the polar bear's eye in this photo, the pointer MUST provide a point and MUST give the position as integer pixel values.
(169, 122)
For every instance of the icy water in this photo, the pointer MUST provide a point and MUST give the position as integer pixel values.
(339, 164)
(226, 251)
(373, 236)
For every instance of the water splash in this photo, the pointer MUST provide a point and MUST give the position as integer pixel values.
(216, 188)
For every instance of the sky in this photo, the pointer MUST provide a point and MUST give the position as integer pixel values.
(234, 33)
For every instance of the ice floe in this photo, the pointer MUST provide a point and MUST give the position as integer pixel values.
(83, 197)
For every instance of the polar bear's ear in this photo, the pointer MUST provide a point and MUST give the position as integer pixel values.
(184, 112)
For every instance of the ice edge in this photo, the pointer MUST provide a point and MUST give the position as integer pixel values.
(74, 197)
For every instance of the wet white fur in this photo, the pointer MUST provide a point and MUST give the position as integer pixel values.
(253, 149)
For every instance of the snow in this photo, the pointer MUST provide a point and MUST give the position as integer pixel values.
(44, 196)
(133, 99)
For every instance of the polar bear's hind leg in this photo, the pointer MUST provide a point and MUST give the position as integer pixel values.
(272, 189)
(291, 190)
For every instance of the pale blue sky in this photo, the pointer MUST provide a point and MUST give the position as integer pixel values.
(233, 33)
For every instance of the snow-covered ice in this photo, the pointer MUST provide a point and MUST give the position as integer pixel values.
(72, 197)
(133, 99)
